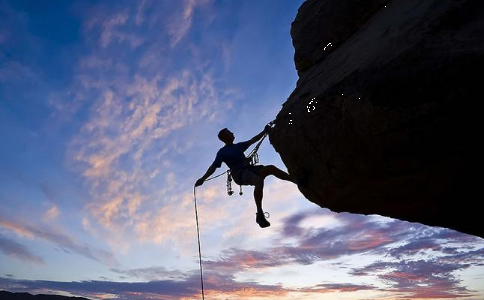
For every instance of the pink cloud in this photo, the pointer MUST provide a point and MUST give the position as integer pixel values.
(52, 213)
(14, 249)
(64, 241)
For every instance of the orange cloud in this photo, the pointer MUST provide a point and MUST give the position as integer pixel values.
(17, 228)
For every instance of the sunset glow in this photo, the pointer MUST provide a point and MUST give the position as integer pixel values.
(109, 113)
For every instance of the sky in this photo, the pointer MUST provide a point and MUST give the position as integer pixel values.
(109, 113)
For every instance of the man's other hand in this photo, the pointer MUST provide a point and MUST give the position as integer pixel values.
(199, 182)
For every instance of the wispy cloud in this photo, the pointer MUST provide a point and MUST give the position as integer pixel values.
(52, 213)
(134, 119)
(153, 273)
(62, 240)
(337, 288)
(181, 21)
(140, 11)
(408, 270)
(115, 149)
(403, 270)
(216, 287)
(14, 249)
(420, 279)
(110, 26)
(16, 73)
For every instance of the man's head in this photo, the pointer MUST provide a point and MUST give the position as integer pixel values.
(226, 136)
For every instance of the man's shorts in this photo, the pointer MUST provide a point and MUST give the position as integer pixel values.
(247, 175)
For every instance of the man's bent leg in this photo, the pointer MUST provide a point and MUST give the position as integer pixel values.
(273, 170)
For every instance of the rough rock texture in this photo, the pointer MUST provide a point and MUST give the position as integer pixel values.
(386, 120)
(329, 19)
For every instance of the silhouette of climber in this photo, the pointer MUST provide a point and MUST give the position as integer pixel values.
(242, 172)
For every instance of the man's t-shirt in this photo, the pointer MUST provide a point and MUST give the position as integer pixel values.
(232, 155)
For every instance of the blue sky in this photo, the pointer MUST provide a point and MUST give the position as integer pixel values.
(109, 113)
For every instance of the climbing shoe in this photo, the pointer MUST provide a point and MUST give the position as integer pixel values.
(261, 220)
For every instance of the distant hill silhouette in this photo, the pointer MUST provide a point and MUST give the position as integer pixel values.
(4, 295)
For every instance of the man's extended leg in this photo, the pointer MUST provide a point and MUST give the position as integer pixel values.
(257, 179)
(258, 194)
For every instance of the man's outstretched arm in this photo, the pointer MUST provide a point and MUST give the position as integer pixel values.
(260, 135)
(207, 174)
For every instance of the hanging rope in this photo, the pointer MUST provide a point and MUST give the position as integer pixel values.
(199, 247)
(198, 231)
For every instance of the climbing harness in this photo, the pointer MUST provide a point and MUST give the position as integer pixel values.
(252, 159)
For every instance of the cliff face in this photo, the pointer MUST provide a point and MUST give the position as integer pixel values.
(384, 119)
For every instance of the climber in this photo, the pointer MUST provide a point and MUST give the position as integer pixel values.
(242, 172)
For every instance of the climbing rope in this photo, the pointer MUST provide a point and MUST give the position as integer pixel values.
(199, 247)
(198, 227)
(253, 157)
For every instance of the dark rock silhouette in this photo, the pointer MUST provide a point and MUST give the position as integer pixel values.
(26, 296)
(384, 119)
